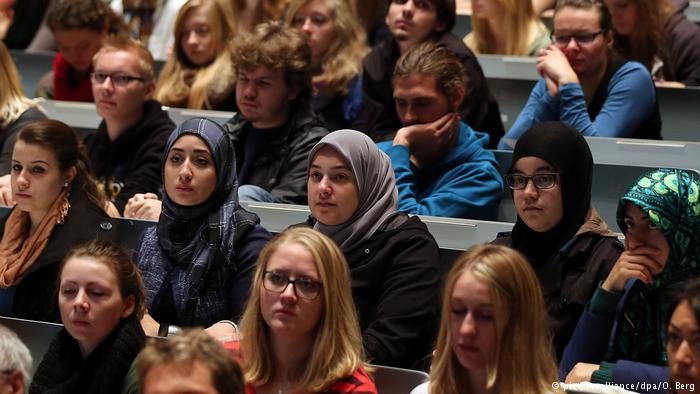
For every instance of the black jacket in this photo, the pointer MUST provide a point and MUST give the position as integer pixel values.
(281, 168)
(479, 109)
(132, 163)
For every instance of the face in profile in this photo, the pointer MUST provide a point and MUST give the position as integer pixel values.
(190, 171)
(78, 46)
(586, 58)
(263, 97)
(472, 328)
(36, 177)
(413, 21)
(332, 188)
(683, 348)
(90, 301)
(197, 37)
(641, 232)
(291, 310)
(316, 21)
(624, 15)
(194, 378)
(540, 208)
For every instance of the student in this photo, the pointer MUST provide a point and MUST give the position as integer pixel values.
(585, 85)
(506, 27)
(657, 34)
(197, 263)
(442, 166)
(338, 44)
(491, 307)
(393, 259)
(682, 340)
(200, 74)
(79, 27)
(412, 22)
(15, 363)
(300, 331)
(100, 296)
(620, 338)
(567, 243)
(58, 207)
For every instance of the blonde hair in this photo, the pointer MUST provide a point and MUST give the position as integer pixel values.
(337, 347)
(519, 317)
(343, 59)
(520, 27)
(126, 44)
(184, 84)
(13, 102)
(646, 41)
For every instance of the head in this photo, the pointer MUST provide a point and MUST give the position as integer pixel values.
(583, 31)
(412, 22)
(98, 286)
(682, 340)
(272, 67)
(123, 79)
(316, 311)
(202, 32)
(192, 362)
(492, 304)
(15, 363)
(630, 15)
(13, 102)
(515, 22)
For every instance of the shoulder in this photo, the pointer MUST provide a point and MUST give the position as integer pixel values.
(632, 71)
(307, 126)
(378, 61)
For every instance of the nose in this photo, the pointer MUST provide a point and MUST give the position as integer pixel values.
(81, 301)
(249, 91)
(684, 354)
(324, 185)
(306, 27)
(530, 191)
(22, 181)
(192, 38)
(572, 45)
(468, 326)
(185, 173)
(408, 8)
(289, 293)
(410, 116)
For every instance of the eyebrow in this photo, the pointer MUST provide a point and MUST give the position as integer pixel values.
(340, 167)
(673, 326)
(538, 169)
(195, 151)
(32, 162)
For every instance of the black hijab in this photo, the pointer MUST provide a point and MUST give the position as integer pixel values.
(565, 149)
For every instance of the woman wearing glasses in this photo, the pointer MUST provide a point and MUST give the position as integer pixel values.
(585, 85)
(561, 234)
(300, 329)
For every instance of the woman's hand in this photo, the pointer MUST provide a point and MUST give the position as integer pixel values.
(144, 206)
(554, 67)
(223, 331)
(149, 325)
(581, 372)
(6, 191)
(639, 262)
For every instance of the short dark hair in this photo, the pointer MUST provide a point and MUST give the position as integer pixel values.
(445, 10)
(689, 293)
(605, 18)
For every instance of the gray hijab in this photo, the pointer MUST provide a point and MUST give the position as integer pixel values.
(376, 187)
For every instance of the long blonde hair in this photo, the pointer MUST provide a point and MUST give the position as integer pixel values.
(183, 84)
(520, 26)
(343, 59)
(337, 348)
(519, 317)
(13, 102)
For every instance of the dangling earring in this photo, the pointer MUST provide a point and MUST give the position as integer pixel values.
(63, 209)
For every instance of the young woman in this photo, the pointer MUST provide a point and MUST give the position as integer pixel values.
(567, 243)
(393, 259)
(197, 263)
(338, 45)
(100, 296)
(300, 330)
(79, 26)
(621, 337)
(200, 74)
(58, 207)
(657, 34)
(506, 27)
(491, 306)
(585, 85)
(682, 334)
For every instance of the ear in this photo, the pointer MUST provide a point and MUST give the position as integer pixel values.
(150, 89)
(293, 93)
(440, 26)
(70, 174)
(17, 383)
(609, 39)
(129, 306)
(457, 97)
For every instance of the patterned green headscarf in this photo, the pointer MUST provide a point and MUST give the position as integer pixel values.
(670, 197)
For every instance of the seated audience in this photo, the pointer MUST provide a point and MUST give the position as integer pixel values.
(200, 73)
(567, 243)
(125, 151)
(491, 307)
(393, 259)
(192, 362)
(413, 22)
(585, 85)
(197, 263)
(275, 127)
(302, 338)
(442, 166)
(58, 207)
(506, 27)
(682, 340)
(338, 44)
(15, 363)
(79, 27)
(100, 296)
(621, 337)
(657, 34)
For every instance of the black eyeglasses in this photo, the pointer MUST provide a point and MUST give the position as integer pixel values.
(117, 79)
(303, 287)
(581, 38)
(545, 180)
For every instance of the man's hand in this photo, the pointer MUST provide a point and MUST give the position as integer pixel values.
(582, 372)
(144, 206)
(436, 132)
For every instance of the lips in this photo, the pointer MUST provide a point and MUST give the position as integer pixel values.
(324, 204)
(469, 348)
(22, 195)
(80, 323)
(106, 103)
(403, 24)
(285, 312)
(184, 189)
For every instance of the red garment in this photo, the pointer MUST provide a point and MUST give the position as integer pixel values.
(65, 84)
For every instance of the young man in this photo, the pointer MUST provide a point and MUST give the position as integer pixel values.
(275, 127)
(127, 149)
(442, 166)
(413, 22)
